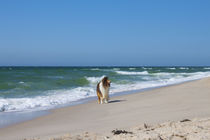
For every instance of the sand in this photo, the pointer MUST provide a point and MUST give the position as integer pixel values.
(154, 107)
(196, 129)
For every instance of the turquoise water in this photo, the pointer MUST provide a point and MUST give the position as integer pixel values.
(38, 88)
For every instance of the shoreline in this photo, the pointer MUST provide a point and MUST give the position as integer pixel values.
(27, 115)
(122, 112)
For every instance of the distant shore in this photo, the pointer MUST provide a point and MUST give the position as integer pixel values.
(173, 103)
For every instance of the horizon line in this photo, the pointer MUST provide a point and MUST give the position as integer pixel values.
(110, 66)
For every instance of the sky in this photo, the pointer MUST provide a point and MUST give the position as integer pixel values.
(104, 33)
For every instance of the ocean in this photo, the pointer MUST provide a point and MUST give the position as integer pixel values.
(41, 88)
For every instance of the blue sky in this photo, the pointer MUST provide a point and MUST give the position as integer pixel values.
(104, 32)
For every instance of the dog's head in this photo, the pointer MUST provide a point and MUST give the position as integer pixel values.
(106, 82)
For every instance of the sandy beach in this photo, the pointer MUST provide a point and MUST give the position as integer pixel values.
(135, 113)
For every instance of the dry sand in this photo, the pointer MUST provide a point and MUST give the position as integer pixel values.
(196, 129)
(173, 103)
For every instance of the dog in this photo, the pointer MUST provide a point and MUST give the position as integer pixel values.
(103, 90)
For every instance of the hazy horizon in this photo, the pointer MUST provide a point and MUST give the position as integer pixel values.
(111, 66)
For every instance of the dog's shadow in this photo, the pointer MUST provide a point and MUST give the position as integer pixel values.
(116, 101)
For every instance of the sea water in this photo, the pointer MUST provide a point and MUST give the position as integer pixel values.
(40, 88)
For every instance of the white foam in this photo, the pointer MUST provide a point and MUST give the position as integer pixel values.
(173, 79)
(132, 73)
(207, 68)
(171, 68)
(132, 68)
(94, 80)
(183, 68)
(116, 69)
(94, 69)
(51, 99)
(147, 68)
(163, 73)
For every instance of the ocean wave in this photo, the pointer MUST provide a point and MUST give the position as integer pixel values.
(116, 69)
(162, 73)
(51, 99)
(184, 68)
(173, 74)
(94, 80)
(132, 68)
(55, 77)
(171, 68)
(95, 69)
(170, 80)
(207, 68)
(147, 68)
(132, 73)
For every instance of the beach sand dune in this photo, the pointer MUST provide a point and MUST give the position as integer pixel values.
(160, 109)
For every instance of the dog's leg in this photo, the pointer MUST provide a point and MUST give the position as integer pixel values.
(102, 100)
(99, 100)
(106, 101)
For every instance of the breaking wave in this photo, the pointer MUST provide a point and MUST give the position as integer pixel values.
(94, 80)
(132, 73)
